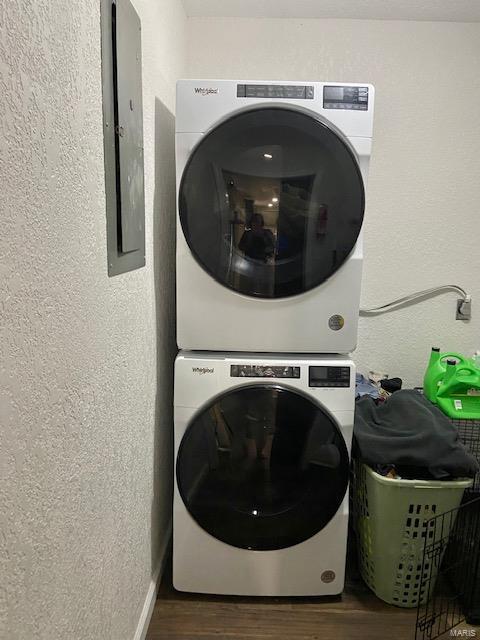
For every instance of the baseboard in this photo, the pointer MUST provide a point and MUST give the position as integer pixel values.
(146, 615)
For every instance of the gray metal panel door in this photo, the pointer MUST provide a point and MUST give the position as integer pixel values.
(123, 136)
(130, 125)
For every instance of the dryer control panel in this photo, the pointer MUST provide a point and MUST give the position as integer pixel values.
(328, 376)
(302, 92)
(263, 371)
(338, 97)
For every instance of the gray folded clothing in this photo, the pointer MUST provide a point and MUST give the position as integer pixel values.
(408, 430)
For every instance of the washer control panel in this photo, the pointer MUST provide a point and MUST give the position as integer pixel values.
(263, 371)
(353, 98)
(298, 92)
(328, 376)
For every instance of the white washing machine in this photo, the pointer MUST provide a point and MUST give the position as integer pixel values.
(271, 193)
(262, 448)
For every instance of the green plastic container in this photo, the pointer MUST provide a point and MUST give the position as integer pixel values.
(453, 383)
(390, 523)
(458, 394)
(436, 369)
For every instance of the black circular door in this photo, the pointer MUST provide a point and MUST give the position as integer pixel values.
(271, 202)
(262, 467)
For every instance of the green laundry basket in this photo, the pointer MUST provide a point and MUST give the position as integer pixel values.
(391, 526)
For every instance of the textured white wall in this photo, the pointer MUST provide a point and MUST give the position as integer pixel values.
(423, 215)
(85, 395)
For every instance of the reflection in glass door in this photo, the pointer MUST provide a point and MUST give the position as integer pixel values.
(271, 202)
(262, 467)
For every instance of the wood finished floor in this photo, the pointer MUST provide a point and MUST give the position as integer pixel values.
(357, 615)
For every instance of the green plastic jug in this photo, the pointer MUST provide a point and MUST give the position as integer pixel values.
(458, 395)
(453, 383)
(436, 369)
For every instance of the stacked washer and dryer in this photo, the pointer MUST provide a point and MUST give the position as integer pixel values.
(271, 193)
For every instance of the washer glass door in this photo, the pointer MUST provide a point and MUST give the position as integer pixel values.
(271, 202)
(262, 467)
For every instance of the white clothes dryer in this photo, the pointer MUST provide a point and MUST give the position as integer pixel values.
(271, 193)
(262, 447)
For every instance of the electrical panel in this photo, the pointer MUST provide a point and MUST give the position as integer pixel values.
(123, 136)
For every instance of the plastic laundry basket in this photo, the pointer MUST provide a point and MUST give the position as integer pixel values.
(390, 522)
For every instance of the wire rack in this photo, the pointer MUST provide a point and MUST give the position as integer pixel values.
(450, 588)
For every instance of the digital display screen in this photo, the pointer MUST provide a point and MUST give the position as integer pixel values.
(263, 371)
(335, 94)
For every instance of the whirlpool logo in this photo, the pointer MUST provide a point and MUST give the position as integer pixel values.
(202, 370)
(205, 91)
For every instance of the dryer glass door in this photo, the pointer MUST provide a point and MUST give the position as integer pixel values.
(271, 202)
(262, 467)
